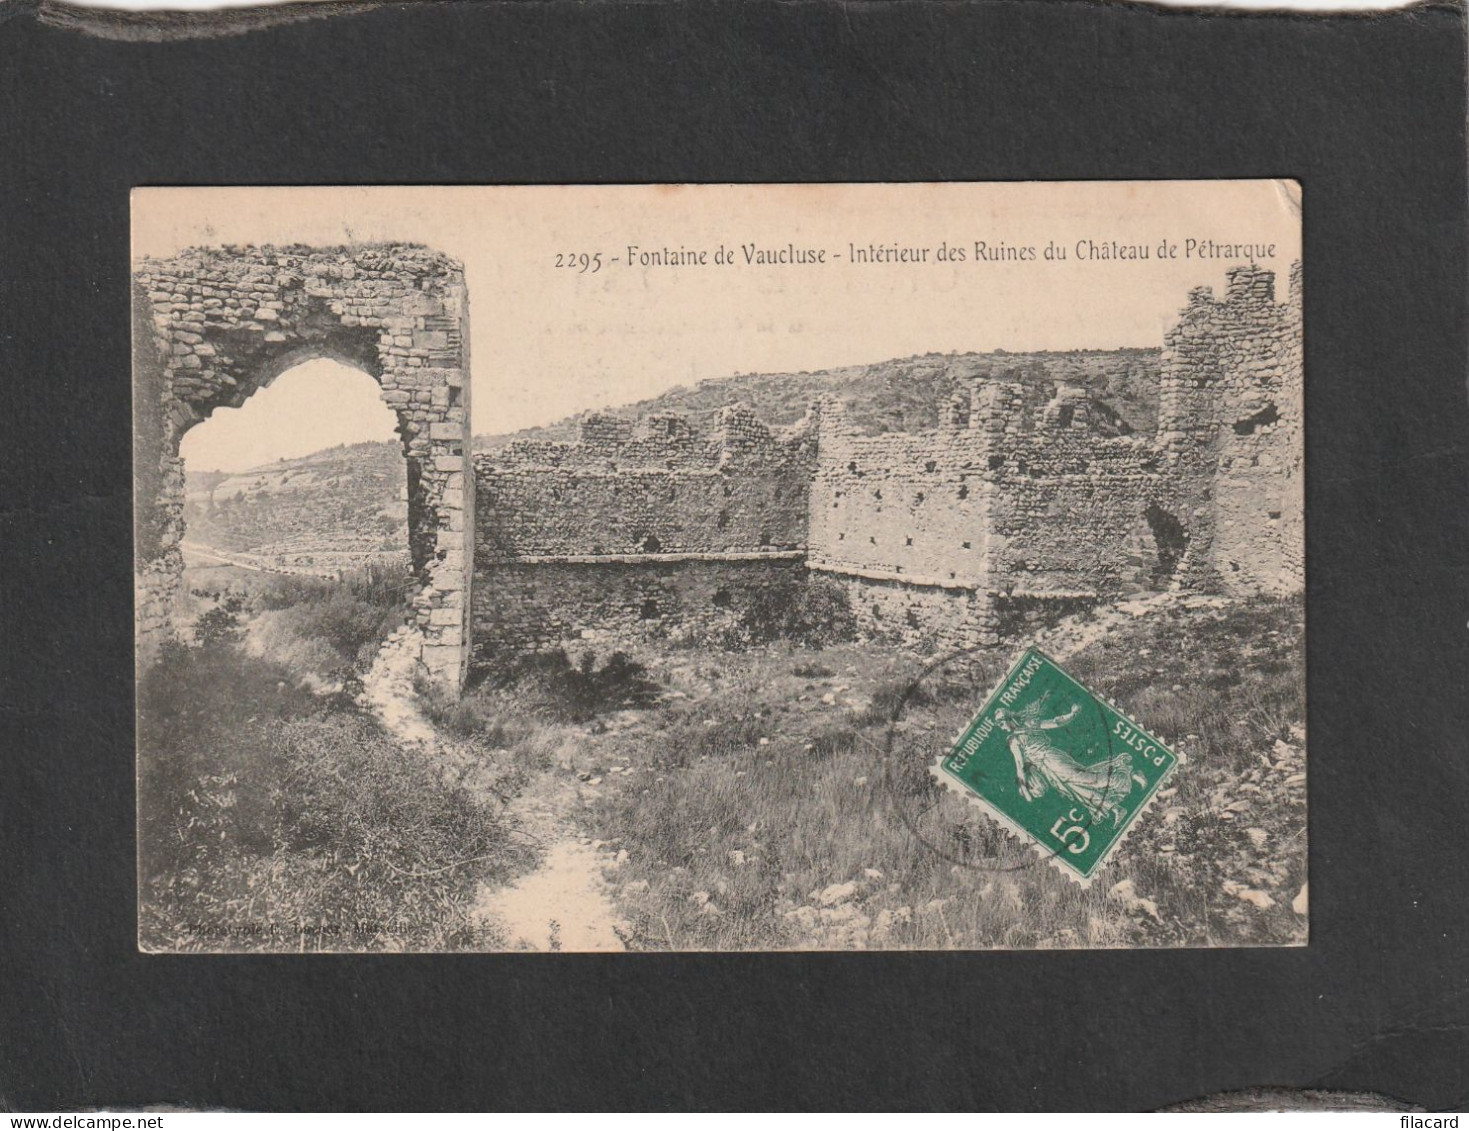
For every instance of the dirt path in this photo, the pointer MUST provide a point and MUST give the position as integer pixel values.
(254, 565)
(388, 690)
(565, 903)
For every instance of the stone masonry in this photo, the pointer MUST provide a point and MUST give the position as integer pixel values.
(1231, 418)
(1028, 494)
(213, 326)
(637, 530)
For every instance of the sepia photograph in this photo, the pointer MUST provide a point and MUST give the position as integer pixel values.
(720, 567)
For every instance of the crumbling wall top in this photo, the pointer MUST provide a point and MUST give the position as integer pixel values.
(266, 263)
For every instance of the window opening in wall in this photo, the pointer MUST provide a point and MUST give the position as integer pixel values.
(964, 491)
(1265, 417)
(1064, 416)
(1170, 540)
(305, 479)
(721, 599)
(649, 610)
(651, 545)
(996, 462)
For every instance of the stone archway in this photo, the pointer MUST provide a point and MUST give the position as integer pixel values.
(212, 326)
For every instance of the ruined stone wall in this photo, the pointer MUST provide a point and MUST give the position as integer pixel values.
(908, 506)
(922, 618)
(647, 487)
(654, 529)
(637, 530)
(607, 605)
(1070, 499)
(1026, 492)
(215, 325)
(1231, 416)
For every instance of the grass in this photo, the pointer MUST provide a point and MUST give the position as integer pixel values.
(275, 818)
(771, 796)
(776, 807)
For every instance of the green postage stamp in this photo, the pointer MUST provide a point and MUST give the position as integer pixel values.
(1057, 765)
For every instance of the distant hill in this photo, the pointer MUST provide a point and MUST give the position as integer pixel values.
(904, 394)
(333, 509)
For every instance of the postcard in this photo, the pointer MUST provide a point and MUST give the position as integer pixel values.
(720, 567)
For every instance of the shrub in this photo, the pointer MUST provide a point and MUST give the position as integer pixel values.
(549, 684)
(351, 616)
(813, 611)
(479, 713)
(891, 698)
(698, 736)
(833, 739)
(220, 625)
(384, 585)
(268, 819)
(346, 621)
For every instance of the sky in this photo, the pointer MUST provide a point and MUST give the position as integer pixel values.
(285, 420)
(550, 341)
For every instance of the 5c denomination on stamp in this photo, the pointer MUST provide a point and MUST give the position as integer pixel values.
(1057, 765)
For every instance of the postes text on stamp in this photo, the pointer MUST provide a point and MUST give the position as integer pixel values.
(1057, 765)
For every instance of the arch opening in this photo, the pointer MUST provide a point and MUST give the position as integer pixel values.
(307, 476)
(214, 327)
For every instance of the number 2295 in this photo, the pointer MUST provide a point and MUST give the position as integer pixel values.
(580, 261)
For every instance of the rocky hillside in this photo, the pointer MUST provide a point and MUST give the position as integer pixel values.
(333, 509)
(899, 395)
